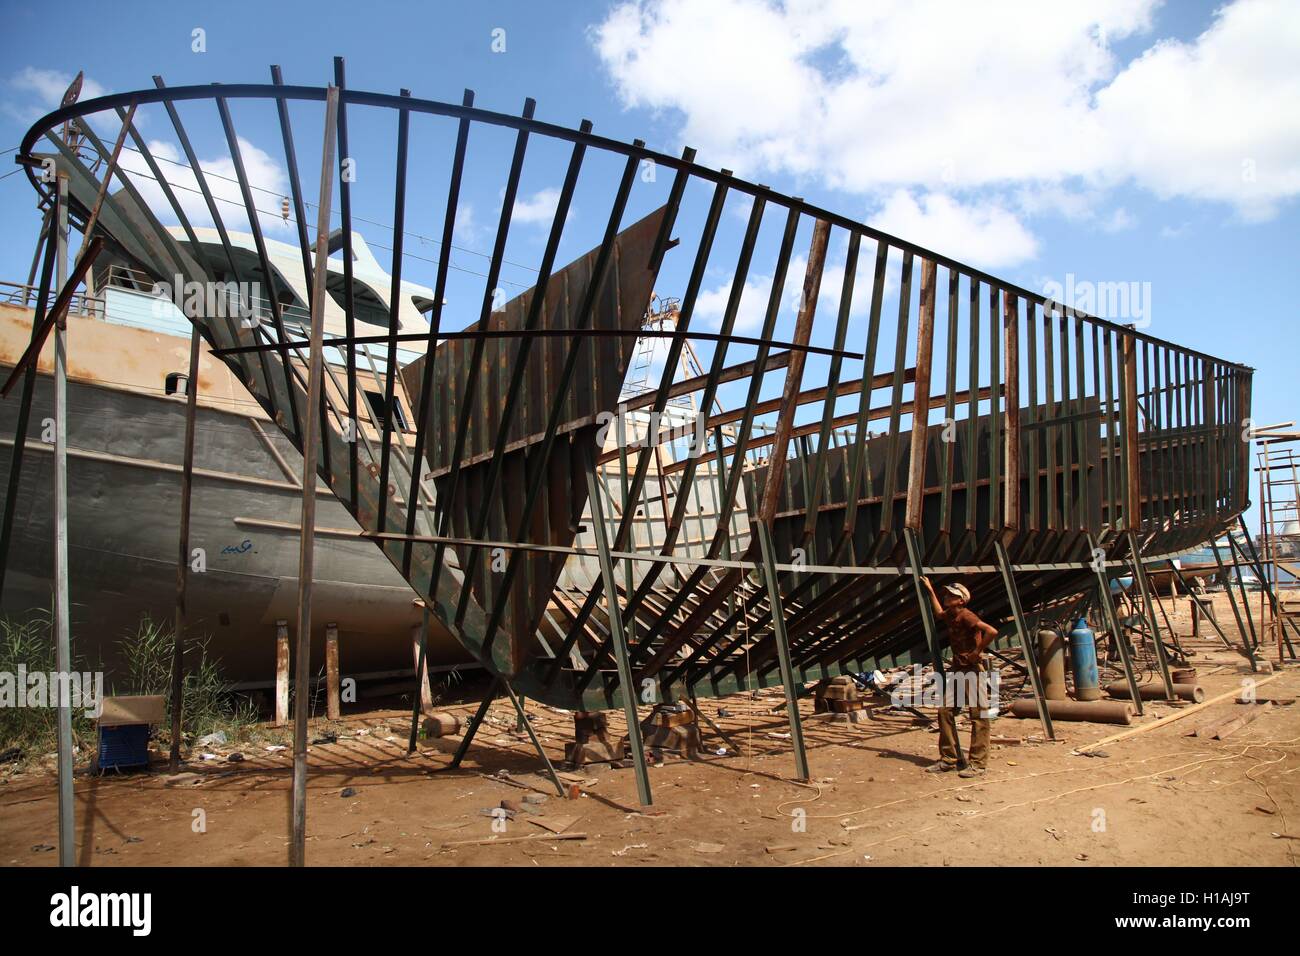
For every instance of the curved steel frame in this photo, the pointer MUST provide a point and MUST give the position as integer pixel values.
(1089, 444)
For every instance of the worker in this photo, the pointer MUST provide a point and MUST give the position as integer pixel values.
(968, 637)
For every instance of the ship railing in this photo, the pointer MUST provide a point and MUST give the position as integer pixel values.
(25, 296)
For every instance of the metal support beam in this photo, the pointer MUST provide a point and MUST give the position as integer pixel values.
(1140, 573)
(25, 408)
(1266, 587)
(1112, 622)
(617, 637)
(62, 636)
(1026, 646)
(475, 722)
(782, 648)
(532, 735)
(421, 679)
(183, 555)
(306, 554)
(1192, 594)
(1232, 602)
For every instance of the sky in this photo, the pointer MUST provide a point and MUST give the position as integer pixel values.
(1048, 144)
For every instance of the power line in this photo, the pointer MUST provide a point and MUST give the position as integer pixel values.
(277, 215)
(336, 214)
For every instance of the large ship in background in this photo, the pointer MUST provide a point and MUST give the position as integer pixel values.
(128, 355)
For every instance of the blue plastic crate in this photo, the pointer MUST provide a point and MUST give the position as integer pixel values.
(126, 745)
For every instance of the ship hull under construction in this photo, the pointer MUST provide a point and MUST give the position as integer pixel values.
(1027, 448)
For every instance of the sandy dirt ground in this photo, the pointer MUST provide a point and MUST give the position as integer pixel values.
(1159, 797)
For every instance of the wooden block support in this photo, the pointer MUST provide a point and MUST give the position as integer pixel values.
(426, 691)
(281, 673)
(332, 671)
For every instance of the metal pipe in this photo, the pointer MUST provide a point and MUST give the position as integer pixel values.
(1093, 711)
(1150, 691)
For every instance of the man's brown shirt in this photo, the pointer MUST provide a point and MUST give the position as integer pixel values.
(964, 637)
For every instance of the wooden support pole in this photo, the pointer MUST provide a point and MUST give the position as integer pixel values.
(1011, 386)
(1129, 412)
(310, 438)
(927, 617)
(183, 555)
(921, 398)
(62, 633)
(419, 642)
(419, 704)
(333, 703)
(281, 673)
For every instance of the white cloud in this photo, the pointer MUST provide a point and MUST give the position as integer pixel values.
(35, 92)
(957, 97)
(539, 209)
(1118, 221)
(1216, 119)
(711, 304)
(264, 173)
(468, 229)
(985, 235)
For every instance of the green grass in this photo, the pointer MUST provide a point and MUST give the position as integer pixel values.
(146, 659)
(145, 668)
(29, 642)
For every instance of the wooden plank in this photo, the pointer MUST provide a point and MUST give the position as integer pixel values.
(332, 701)
(921, 397)
(281, 673)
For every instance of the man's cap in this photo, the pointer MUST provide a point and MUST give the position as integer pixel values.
(958, 591)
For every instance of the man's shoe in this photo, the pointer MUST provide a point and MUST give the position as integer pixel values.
(973, 772)
(941, 767)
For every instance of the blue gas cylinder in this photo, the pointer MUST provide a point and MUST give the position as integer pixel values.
(1083, 662)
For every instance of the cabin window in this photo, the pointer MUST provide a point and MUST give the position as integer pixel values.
(376, 401)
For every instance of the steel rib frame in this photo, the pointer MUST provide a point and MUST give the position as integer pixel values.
(426, 411)
(663, 160)
(1230, 397)
(304, 248)
(519, 369)
(188, 148)
(395, 318)
(349, 298)
(683, 631)
(538, 457)
(694, 283)
(232, 141)
(447, 503)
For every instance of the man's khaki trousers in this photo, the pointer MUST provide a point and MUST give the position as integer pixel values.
(981, 727)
